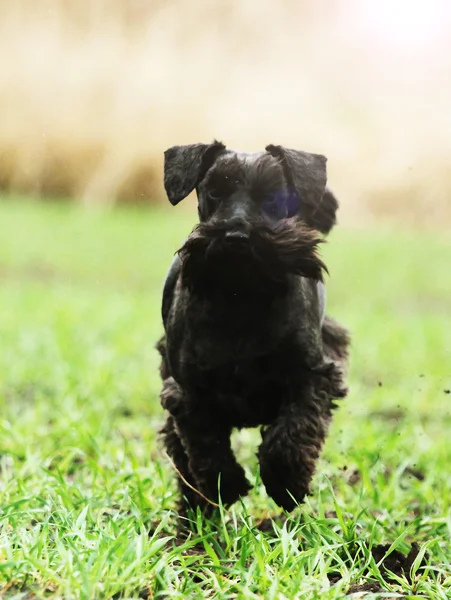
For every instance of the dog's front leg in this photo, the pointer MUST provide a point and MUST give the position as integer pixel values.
(187, 483)
(205, 439)
(207, 444)
(289, 451)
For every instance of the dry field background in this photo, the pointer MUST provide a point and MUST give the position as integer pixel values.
(92, 92)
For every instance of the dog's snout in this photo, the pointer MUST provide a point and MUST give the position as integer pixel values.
(237, 235)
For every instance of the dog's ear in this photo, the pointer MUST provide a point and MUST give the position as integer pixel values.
(186, 166)
(325, 217)
(306, 174)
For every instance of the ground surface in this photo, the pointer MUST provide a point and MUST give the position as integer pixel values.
(86, 495)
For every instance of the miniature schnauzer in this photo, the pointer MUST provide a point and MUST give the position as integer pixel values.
(246, 341)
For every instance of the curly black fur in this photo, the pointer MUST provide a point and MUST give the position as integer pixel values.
(246, 340)
(270, 252)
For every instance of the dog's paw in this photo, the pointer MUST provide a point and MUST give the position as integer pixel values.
(285, 485)
(240, 488)
(285, 494)
(233, 485)
(171, 396)
(232, 491)
(286, 469)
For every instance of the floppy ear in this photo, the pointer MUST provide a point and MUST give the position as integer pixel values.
(306, 174)
(325, 216)
(185, 167)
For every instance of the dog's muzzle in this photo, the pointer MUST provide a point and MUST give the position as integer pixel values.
(237, 236)
(261, 250)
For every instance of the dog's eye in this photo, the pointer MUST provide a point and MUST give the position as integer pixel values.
(281, 205)
(273, 206)
(292, 203)
(270, 205)
(215, 195)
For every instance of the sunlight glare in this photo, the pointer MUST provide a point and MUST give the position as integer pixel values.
(407, 23)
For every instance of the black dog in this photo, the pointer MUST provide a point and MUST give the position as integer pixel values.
(246, 339)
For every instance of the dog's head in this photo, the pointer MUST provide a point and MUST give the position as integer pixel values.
(277, 183)
(269, 206)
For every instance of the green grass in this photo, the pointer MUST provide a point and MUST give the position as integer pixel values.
(86, 494)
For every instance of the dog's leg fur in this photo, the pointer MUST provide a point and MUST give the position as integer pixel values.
(199, 444)
(211, 458)
(174, 447)
(291, 445)
(289, 451)
(336, 342)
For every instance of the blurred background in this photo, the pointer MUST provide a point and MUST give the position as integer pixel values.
(93, 91)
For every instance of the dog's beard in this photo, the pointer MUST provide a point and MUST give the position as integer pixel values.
(264, 260)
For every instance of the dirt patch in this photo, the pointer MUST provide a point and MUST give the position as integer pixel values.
(396, 562)
(370, 587)
(367, 587)
(355, 477)
(125, 411)
(194, 550)
(266, 525)
(142, 594)
(416, 473)
(24, 593)
(390, 415)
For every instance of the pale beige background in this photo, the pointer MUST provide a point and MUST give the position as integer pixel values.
(92, 92)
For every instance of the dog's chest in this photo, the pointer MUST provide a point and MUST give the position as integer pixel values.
(246, 393)
(233, 331)
(242, 354)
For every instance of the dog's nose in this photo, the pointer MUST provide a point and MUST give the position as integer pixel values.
(237, 235)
